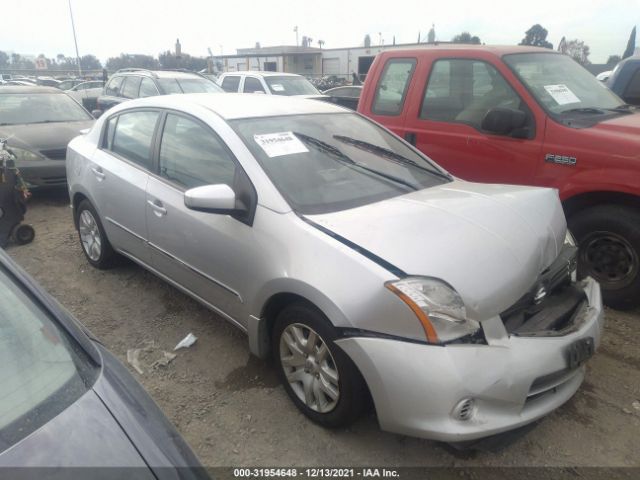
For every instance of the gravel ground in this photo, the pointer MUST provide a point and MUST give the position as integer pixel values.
(231, 409)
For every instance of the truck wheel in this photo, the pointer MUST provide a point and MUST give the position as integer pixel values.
(609, 241)
(319, 377)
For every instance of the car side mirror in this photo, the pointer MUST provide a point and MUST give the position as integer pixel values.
(96, 113)
(503, 121)
(211, 198)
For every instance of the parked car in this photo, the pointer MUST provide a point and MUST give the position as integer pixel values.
(357, 261)
(47, 82)
(347, 96)
(87, 93)
(130, 83)
(69, 84)
(39, 122)
(604, 76)
(269, 83)
(625, 80)
(67, 402)
(530, 116)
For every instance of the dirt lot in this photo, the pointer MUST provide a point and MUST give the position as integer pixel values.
(231, 409)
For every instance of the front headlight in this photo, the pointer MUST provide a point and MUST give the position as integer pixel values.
(437, 305)
(23, 155)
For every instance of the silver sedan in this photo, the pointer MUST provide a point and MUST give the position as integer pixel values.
(357, 262)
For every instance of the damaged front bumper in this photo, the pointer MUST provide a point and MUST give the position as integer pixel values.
(461, 392)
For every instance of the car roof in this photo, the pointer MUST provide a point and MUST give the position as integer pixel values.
(262, 74)
(497, 50)
(159, 73)
(28, 89)
(238, 105)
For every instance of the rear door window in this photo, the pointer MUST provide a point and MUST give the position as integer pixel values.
(147, 88)
(133, 136)
(131, 87)
(230, 83)
(113, 87)
(392, 86)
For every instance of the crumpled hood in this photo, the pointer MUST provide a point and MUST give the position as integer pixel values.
(490, 242)
(43, 136)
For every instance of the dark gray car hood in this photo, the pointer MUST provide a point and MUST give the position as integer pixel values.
(83, 435)
(43, 136)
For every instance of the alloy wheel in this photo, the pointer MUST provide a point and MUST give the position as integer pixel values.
(90, 235)
(309, 367)
(609, 258)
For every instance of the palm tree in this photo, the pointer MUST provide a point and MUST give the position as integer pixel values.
(321, 43)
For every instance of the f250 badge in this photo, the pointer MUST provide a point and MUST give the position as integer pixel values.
(560, 159)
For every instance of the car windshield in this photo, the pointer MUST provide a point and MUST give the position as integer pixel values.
(290, 85)
(23, 108)
(188, 85)
(328, 162)
(41, 369)
(561, 85)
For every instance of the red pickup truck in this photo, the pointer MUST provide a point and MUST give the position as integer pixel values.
(525, 115)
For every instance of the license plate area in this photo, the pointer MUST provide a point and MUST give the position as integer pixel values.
(579, 352)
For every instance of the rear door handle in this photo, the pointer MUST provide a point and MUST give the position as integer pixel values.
(410, 137)
(158, 209)
(97, 171)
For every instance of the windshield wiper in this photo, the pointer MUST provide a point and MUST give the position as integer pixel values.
(328, 148)
(593, 110)
(388, 154)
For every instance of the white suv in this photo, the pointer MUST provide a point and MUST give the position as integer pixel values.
(269, 83)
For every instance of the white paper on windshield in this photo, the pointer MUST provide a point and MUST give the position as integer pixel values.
(280, 143)
(561, 94)
(276, 87)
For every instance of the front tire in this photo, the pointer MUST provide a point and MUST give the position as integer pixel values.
(321, 380)
(94, 242)
(608, 237)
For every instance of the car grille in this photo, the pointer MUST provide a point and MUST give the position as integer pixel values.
(552, 305)
(55, 153)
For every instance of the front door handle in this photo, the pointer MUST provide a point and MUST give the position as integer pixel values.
(97, 171)
(158, 209)
(410, 137)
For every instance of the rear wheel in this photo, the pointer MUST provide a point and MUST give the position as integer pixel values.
(319, 377)
(95, 244)
(609, 240)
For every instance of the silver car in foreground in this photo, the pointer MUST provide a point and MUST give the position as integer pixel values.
(362, 266)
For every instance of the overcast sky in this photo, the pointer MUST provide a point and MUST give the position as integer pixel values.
(107, 28)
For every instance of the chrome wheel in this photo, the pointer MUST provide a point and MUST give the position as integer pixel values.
(90, 235)
(309, 367)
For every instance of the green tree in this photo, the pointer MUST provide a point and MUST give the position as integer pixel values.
(631, 44)
(466, 37)
(579, 51)
(90, 62)
(613, 60)
(536, 36)
(127, 60)
(4, 59)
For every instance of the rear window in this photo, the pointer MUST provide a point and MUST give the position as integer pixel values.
(133, 135)
(42, 369)
(392, 86)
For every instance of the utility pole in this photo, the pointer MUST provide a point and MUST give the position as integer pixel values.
(295, 29)
(75, 40)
